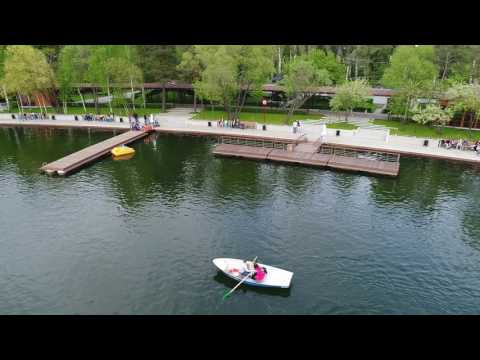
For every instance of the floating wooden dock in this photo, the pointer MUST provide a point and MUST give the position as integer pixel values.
(316, 154)
(73, 161)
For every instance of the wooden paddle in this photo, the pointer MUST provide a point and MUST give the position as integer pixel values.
(236, 286)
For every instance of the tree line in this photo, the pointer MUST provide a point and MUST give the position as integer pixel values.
(226, 74)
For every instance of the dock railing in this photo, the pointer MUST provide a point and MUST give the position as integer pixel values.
(358, 153)
(271, 144)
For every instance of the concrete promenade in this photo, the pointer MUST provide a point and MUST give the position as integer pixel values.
(179, 121)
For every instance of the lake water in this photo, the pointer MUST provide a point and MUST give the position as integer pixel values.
(138, 236)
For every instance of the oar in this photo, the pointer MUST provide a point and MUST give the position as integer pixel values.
(231, 291)
(236, 286)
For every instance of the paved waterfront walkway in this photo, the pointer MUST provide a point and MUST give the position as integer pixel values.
(179, 120)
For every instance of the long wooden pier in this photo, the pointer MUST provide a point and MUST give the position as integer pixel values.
(73, 161)
(317, 154)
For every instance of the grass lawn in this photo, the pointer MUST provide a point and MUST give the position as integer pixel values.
(423, 131)
(342, 125)
(270, 118)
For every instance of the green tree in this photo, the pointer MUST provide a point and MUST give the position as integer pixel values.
(158, 64)
(453, 60)
(432, 114)
(71, 70)
(190, 69)
(230, 72)
(301, 82)
(3, 53)
(412, 71)
(465, 98)
(351, 95)
(27, 72)
(103, 68)
(327, 60)
(122, 71)
(368, 62)
(51, 52)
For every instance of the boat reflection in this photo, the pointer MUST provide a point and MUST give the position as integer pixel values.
(229, 283)
(123, 157)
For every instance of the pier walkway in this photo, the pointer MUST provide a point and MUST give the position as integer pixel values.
(362, 143)
(73, 161)
(319, 155)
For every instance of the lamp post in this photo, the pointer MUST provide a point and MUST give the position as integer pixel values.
(264, 103)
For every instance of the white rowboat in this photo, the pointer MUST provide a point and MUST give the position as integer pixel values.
(274, 277)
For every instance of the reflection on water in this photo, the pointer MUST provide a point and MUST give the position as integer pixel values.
(123, 157)
(138, 236)
(229, 284)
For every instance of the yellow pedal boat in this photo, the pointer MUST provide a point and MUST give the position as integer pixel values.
(122, 151)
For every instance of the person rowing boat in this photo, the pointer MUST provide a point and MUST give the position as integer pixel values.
(258, 271)
(239, 270)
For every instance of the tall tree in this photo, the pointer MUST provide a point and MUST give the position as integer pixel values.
(453, 61)
(350, 95)
(3, 53)
(301, 82)
(465, 98)
(27, 72)
(122, 71)
(326, 60)
(368, 61)
(190, 69)
(71, 71)
(230, 72)
(52, 53)
(412, 71)
(158, 63)
(100, 69)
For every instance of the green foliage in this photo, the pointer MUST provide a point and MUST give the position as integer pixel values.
(413, 72)
(27, 70)
(422, 131)
(411, 68)
(302, 76)
(51, 53)
(464, 97)
(113, 65)
(453, 61)
(158, 62)
(71, 69)
(397, 105)
(190, 67)
(301, 81)
(329, 62)
(370, 61)
(3, 54)
(432, 114)
(225, 73)
(351, 95)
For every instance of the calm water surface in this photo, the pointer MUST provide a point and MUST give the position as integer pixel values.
(138, 236)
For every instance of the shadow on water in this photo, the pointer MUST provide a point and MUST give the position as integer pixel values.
(229, 283)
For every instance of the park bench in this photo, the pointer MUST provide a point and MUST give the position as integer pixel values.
(249, 124)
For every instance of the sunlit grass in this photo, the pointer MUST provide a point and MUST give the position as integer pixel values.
(423, 131)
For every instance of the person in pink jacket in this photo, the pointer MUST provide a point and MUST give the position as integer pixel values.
(260, 273)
